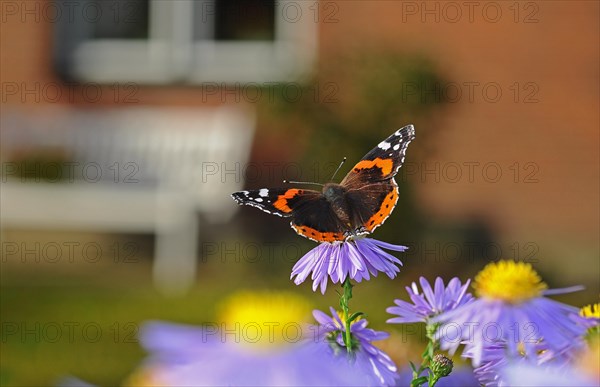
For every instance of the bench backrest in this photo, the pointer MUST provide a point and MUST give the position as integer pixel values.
(192, 151)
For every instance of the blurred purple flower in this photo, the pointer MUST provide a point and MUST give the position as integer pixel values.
(500, 368)
(496, 357)
(431, 302)
(492, 360)
(375, 365)
(192, 356)
(357, 258)
(533, 375)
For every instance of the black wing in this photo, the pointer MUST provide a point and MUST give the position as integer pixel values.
(312, 215)
(278, 201)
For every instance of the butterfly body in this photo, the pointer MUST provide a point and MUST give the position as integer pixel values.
(360, 203)
(335, 194)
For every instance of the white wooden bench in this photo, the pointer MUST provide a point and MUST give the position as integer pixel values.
(160, 167)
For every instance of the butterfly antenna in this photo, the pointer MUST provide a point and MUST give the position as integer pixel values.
(338, 168)
(301, 182)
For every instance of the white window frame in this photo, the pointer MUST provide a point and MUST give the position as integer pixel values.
(171, 55)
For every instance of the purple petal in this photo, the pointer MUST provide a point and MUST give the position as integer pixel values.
(358, 259)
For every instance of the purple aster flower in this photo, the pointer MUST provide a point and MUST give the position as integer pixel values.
(511, 310)
(357, 258)
(431, 302)
(374, 365)
(182, 355)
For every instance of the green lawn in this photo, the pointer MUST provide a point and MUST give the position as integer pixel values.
(88, 331)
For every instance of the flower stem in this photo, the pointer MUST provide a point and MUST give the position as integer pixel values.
(345, 305)
(427, 357)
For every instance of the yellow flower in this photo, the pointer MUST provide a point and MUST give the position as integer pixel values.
(590, 311)
(264, 317)
(509, 281)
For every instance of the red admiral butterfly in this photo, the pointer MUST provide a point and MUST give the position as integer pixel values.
(360, 203)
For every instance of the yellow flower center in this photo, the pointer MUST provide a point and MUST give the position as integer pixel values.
(521, 348)
(509, 281)
(590, 311)
(264, 318)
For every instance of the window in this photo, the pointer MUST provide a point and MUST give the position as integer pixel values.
(186, 41)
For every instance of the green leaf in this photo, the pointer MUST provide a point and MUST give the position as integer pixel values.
(418, 381)
(354, 316)
(412, 366)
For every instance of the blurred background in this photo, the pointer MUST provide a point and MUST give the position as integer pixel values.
(126, 124)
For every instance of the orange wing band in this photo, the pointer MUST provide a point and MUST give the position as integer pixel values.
(282, 200)
(318, 236)
(385, 165)
(384, 211)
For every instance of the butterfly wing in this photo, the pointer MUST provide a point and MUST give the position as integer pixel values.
(372, 192)
(383, 161)
(372, 204)
(278, 201)
(312, 215)
(315, 219)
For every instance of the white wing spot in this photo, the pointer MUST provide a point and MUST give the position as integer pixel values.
(263, 192)
(384, 145)
(396, 147)
(258, 200)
